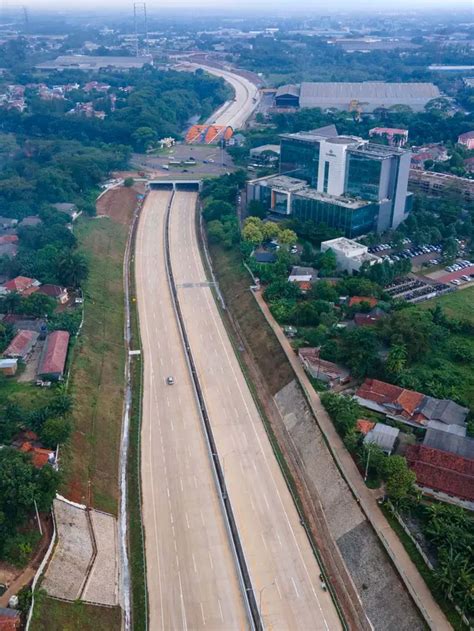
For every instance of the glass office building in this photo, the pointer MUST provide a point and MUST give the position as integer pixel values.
(346, 182)
(299, 158)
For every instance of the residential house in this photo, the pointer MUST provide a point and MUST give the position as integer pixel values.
(10, 619)
(39, 456)
(264, 257)
(442, 437)
(395, 137)
(6, 223)
(364, 426)
(8, 366)
(357, 300)
(53, 358)
(55, 291)
(8, 238)
(408, 406)
(31, 221)
(442, 472)
(22, 345)
(383, 436)
(22, 322)
(323, 370)
(369, 319)
(22, 285)
(302, 274)
(9, 250)
(467, 139)
(68, 209)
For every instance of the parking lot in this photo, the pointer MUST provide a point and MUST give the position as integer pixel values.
(419, 256)
(461, 272)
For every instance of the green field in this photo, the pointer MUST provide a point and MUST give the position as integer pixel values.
(97, 370)
(56, 615)
(459, 304)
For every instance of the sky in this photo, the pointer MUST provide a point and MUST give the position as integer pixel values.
(286, 6)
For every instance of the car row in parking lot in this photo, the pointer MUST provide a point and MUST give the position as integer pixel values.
(458, 266)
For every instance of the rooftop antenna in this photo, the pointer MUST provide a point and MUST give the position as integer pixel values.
(139, 10)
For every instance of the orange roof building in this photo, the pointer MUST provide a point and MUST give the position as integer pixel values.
(357, 300)
(364, 426)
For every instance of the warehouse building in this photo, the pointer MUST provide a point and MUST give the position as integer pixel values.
(344, 181)
(366, 96)
(90, 62)
(53, 358)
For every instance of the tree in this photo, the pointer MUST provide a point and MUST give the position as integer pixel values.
(143, 137)
(450, 249)
(255, 208)
(252, 232)
(38, 305)
(287, 237)
(217, 209)
(399, 479)
(11, 303)
(343, 410)
(128, 182)
(73, 269)
(397, 359)
(271, 230)
(215, 231)
(55, 431)
(327, 262)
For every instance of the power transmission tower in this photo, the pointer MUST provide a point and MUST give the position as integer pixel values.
(139, 11)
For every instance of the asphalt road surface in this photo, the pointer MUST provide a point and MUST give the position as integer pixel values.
(191, 575)
(283, 569)
(234, 113)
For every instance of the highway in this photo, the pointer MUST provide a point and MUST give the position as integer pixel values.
(234, 113)
(284, 572)
(191, 574)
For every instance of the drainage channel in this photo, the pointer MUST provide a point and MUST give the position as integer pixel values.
(244, 575)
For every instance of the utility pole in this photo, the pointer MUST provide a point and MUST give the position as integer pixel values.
(139, 11)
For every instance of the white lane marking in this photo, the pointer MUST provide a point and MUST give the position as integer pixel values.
(187, 520)
(264, 541)
(181, 484)
(278, 588)
(202, 615)
(202, 518)
(183, 610)
(210, 560)
(266, 501)
(220, 610)
(279, 540)
(257, 436)
(294, 585)
(194, 563)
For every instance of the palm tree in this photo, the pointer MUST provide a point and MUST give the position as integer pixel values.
(73, 268)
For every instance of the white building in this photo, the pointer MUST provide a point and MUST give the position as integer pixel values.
(350, 255)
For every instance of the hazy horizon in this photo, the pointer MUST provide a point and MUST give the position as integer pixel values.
(261, 6)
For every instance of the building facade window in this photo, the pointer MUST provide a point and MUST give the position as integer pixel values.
(363, 177)
(300, 160)
(326, 177)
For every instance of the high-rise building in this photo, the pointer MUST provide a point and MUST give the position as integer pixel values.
(349, 183)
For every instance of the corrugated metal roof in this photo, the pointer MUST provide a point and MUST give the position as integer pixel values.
(291, 89)
(330, 93)
(447, 441)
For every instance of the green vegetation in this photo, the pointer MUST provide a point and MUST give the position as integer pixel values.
(56, 615)
(21, 484)
(427, 574)
(97, 369)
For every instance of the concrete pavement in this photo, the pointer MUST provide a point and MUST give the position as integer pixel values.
(406, 568)
(191, 575)
(234, 113)
(283, 570)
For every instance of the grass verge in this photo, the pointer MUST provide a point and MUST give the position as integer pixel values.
(447, 607)
(57, 615)
(97, 371)
(136, 541)
(234, 282)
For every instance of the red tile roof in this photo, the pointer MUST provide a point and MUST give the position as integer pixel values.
(8, 238)
(442, 471)
(53, 291)
(21, 344)
(304, 285)
(39, 456)
(20, 283)
(385, 393)
(54, 355)
(364, 426)
(356, 300)
(365, 319)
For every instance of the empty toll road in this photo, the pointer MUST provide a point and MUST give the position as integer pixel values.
(283, 570)
(191, 574)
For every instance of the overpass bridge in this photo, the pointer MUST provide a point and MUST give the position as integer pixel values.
(174, 184)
